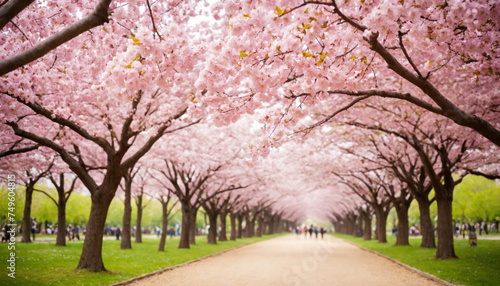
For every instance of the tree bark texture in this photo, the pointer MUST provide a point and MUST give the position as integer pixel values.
(138, 222)
(26, 226)
(223, 226)
(91, 258)
(164, 226)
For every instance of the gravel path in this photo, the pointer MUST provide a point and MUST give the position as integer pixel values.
(291, 260)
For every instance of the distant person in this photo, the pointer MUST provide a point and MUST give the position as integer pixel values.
(5, 233)
(485, 227)
(69, 230)
(322, 230)
(33, 228)
(311, 231)
(304, 230)
(76, 232)
(315, 230)
(118, 232)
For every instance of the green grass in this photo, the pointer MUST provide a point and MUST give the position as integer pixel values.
(476, 266)
(43, 263)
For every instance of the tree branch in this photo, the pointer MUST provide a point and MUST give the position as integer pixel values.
(65, 156)
(38, 109)
(11, 9)
(98, 17)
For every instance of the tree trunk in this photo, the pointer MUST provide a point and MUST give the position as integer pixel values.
(126, 242)
(367, 231)
(185, 226)
(402, 237)
(359, 227)
(61, 219)
(212, 230)
(270, 225)
(26, 226)
(91, 258)
(249, 225)
(426, 228)
(232, 218)
(260, 225)
(164, 226)
(138, 222)
(223, 226)
(192, 226)
(381, 218)
(445, 247)
(240, 217)
(351, 224)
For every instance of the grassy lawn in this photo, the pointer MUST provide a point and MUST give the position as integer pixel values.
(476, 266)
(42, 263)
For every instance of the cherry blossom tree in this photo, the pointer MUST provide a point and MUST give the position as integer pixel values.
(126, 187)
(125, 95)
(30, 169)
(441, 151)
(17, 19)
(165, 194)
(65, 183)
(389, 153)
(199, 163)
(142, 198)
(315, 59)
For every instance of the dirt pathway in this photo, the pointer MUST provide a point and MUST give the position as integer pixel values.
(291, 260)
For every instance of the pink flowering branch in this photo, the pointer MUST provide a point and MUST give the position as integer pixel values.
(98, 17)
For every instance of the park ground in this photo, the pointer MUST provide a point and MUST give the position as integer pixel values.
(282, 260)
(292, 260)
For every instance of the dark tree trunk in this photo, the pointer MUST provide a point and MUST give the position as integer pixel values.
(270, 226)
(402, 237)
(232, 218)
(185, 226)
(61, 219)
(164, 226)
(91, 258)
(426, 227)
(240, 217)
(260, 222)
(212, 230)
(250, 226)
(223, 226)
(367, 228)
(351, 224)
(192, 226)
(359, 226)
(27, 222)
(445, 248)
(280, 225)
(126, 242)
(337, 227)
(138, 222)
(381, 222)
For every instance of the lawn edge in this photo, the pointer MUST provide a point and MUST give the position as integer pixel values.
(413, 269)
(170, 268)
